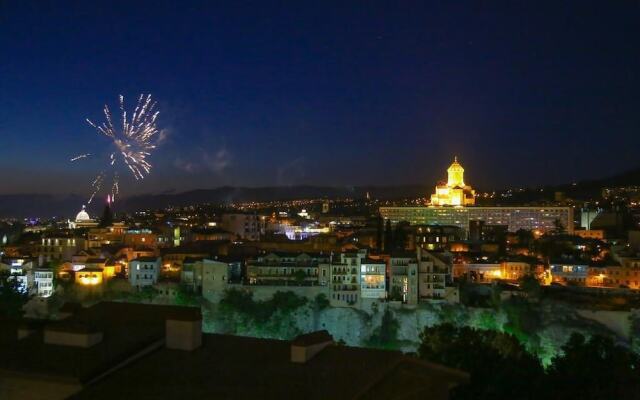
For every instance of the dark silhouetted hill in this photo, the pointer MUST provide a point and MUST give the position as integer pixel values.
(44, 205)
(29, 205)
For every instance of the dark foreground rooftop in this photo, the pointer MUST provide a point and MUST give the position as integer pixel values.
(130, 361)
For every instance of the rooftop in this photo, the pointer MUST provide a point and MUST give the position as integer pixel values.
(130, 361)
(235, 367)
(126, 327)
(146, 259)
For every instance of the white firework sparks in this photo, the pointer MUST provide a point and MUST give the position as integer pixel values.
(134, 140)
(80, 156)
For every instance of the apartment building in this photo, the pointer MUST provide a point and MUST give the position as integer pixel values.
(144, 271)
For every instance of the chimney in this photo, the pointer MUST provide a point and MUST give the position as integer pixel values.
(26, 329)
(184, 329)
(68, 310)
(305, 347)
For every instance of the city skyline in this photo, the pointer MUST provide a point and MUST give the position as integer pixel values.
(319, 200)
(292, 96)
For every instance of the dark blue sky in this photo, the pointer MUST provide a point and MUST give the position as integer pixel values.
(336, 93)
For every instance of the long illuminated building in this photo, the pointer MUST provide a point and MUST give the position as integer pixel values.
(542, 219)
(452, 204)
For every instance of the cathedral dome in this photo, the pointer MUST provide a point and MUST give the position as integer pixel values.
(83, 215)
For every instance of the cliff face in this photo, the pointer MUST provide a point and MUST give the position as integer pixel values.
(555, 323)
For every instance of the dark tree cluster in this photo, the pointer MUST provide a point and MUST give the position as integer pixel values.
(385, 336)
(12, 296)
(262, 310)
(501, 368)
(392, 238)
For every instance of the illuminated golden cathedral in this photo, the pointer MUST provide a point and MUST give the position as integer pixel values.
(454, 192)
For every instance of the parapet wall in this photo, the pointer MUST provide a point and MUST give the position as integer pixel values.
(267, 292)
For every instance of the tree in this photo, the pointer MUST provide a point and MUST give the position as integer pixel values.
(320, 302)
(595, 369)
(634, 319)
(558, 228)
(499, 366)
(13, 295)
(299, 276)
(379, 231)
(238, 300)
(107, 217)
(388, 237)
(396, 294)
(525, 237)
(551, 248)
(186, 296)
(241, 301)
(523, 320)
(400, 235)
(495, 298)
(146, 294)
(385, 336)
(531, 286)
(285, 301)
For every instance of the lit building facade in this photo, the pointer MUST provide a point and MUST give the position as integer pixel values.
(21, 270)
(59, 247)
(454, 192)
(90, 276)
(569, 273)
(144, 271)
(492, 271)
(615, 276)
(453, 204)
(244, 226)
(434, 276)
(541, 219)
(373, 279)
(345, 278)
(141, 237)
(98, 237)
(432, 237)
(215, 277)
(403, 278)
(43, 282)
(288, 269)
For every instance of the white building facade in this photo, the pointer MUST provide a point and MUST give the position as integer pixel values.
(43, 282)
(144, 271)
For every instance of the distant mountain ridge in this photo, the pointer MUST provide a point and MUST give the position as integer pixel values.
(593, 187)
(46, 205)
(228, 194)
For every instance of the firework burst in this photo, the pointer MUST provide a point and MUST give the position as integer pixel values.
(133, 136)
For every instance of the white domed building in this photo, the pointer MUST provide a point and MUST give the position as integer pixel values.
(83, 220)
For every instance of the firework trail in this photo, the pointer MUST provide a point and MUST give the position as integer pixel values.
(96, 185)
(133, 136)
(78, 157)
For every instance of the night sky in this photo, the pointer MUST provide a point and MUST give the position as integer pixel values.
(285, 93)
